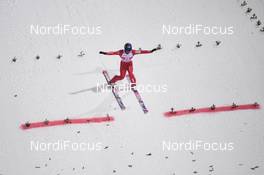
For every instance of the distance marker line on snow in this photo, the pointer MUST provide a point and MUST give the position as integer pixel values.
(66, 121)
(211, 109)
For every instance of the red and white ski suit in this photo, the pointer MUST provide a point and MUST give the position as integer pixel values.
(126, 64)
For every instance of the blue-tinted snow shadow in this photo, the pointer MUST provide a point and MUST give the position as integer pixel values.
(95, 89)
(98, 70)
(108, 105)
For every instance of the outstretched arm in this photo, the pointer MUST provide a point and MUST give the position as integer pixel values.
(147, 51)
(110, 52)
(142, 52)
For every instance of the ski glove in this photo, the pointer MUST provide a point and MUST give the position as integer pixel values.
(157, 48)
(101, 52)
(153, 50)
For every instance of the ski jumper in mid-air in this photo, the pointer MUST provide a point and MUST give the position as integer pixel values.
(126, 64)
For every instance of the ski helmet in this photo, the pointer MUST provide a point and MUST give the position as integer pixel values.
(128, 47)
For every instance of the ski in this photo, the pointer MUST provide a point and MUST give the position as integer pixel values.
(139, 98)
(114, 91)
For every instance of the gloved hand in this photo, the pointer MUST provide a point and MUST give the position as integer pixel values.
(101, 52)
(157, 48)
